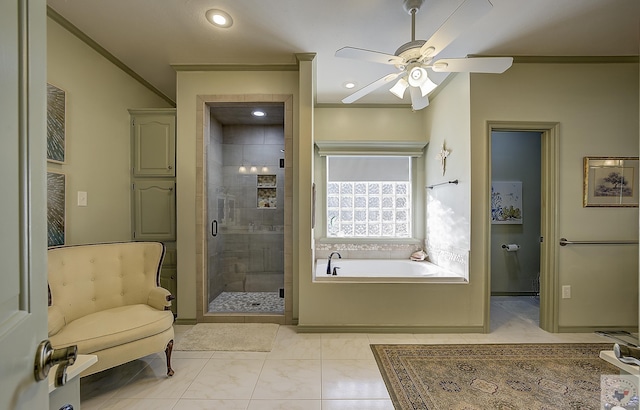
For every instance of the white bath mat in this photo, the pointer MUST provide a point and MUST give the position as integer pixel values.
(245, 337)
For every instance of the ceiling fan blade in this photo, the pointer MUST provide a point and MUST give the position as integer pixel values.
(495, 65)
(368, 55)
(370, 88)
(418, 101)
(464, 16)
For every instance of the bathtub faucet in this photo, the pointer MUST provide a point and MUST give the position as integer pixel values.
(329, 261)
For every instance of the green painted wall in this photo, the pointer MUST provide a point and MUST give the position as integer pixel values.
(192, 84)
(597, 118)
(98, 95)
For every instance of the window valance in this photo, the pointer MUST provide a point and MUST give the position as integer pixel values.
(403, 148)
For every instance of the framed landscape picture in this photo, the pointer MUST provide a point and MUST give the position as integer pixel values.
(610, 182)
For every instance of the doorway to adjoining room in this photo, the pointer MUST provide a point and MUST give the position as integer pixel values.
(515, 225)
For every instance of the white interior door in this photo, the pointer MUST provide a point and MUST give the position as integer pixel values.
(23, 243)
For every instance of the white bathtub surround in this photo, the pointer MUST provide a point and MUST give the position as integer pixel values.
(384, 271)
(369, 250)
(450, 258)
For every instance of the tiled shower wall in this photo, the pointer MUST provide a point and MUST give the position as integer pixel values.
(248, 253)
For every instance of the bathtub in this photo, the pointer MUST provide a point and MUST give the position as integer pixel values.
(384, 271)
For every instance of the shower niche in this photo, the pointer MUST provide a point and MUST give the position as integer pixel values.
(267, 191)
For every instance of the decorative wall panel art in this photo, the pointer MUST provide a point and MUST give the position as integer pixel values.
(56, 112)
(506, 202)
(55, 208)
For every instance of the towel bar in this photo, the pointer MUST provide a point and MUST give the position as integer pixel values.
(565, 242)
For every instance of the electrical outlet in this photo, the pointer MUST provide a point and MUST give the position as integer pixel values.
(566, 292)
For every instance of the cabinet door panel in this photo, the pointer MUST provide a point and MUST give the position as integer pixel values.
(154, 210)
(154, 145)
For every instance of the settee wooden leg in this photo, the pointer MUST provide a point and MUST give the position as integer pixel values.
(167, 352)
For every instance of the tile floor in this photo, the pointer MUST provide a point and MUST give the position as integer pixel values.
(248, 302)
(329, 371)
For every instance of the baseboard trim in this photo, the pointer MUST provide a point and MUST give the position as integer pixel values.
(388, 329)
(515, 293)
(591, 329)
(185, 322)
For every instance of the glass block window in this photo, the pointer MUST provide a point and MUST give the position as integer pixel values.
(369, 196)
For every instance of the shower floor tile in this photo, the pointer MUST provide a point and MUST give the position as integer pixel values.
(247, 302)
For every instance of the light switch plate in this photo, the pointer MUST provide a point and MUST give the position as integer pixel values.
(82, 198)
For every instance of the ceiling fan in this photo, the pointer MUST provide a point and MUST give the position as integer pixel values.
(414, 58)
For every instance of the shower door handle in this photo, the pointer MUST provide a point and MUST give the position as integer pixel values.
(214, 228)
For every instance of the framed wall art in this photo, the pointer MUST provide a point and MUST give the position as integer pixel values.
(56, 208)
(56, 124)
(610, 182)
(506, 202)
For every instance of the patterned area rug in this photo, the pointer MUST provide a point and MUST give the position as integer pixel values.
(498, 376)
(246, 337)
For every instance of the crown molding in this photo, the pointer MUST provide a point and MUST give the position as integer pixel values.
(369, 105)
(305, 56)
(235, 67)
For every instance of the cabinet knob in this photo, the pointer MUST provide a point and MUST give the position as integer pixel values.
(170, 167)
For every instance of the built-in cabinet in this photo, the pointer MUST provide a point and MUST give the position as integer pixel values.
(153, 184)
(153, 134)
(154, 210)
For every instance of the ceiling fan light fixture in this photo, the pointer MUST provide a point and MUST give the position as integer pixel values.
(427, 86)
(399, 88)
(219, 18)
(416, 76)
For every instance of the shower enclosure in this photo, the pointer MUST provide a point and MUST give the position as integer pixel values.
(245, 209)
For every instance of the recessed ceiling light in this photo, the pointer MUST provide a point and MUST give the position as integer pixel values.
(349, 84)
(258, 113)
(219, 18)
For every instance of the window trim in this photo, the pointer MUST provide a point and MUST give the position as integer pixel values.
(368, 148)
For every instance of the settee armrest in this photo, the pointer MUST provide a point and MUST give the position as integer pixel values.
(55, 320)
(160, 298)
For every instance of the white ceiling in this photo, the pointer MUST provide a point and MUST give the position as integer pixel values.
(150, 35)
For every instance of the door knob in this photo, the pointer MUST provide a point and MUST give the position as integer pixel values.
(47, 357)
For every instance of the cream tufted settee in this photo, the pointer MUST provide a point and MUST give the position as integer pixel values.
(106, 299)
